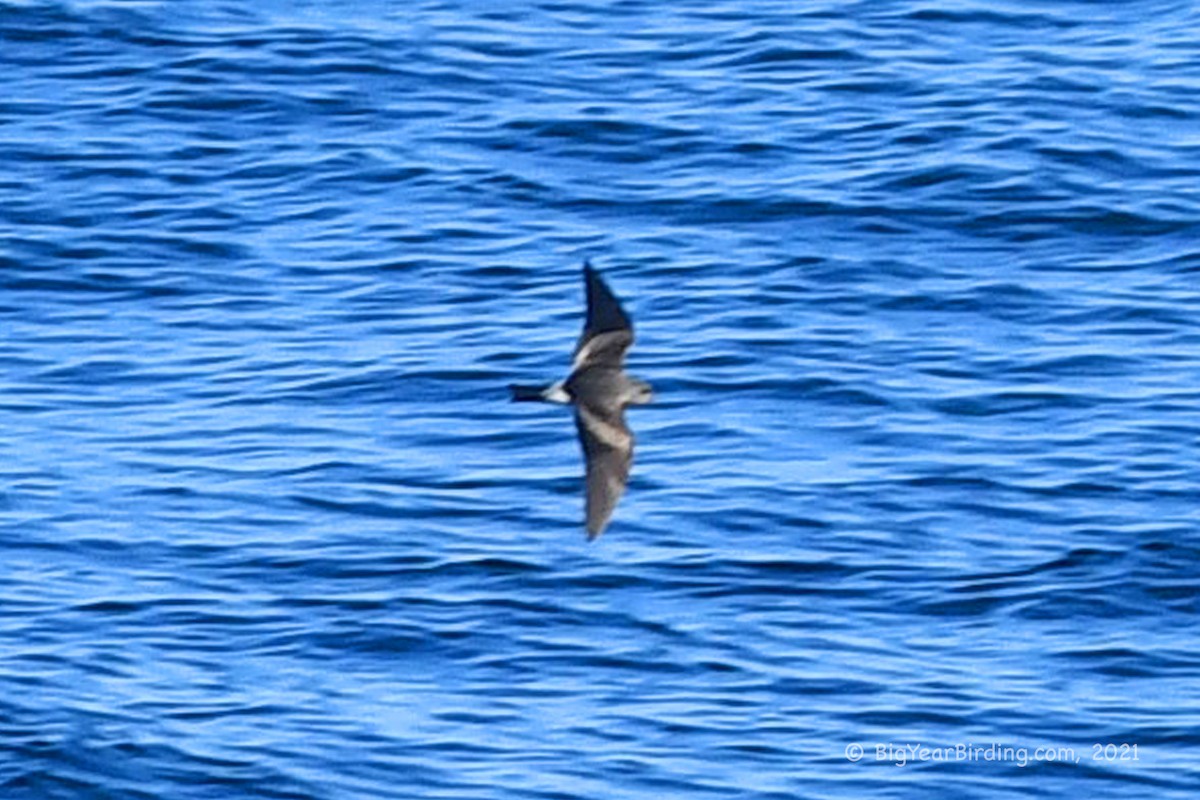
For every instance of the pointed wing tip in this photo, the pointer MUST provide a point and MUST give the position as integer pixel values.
(604, 311)
(594, 526)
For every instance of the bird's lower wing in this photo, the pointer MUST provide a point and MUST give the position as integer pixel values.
(608, 450)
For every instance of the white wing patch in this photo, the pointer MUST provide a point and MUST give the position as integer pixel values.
(605, 432)
(611, 345)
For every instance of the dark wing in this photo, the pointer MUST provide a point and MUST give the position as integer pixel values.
(608, 451)
(608, 333)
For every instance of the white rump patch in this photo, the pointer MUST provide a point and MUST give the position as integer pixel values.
(557, 394)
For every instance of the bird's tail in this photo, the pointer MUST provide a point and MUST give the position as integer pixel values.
(523, 394)
(549, 393)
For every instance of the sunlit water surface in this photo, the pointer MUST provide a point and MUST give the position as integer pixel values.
(916, 284)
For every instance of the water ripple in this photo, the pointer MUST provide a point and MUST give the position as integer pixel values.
(912, 282)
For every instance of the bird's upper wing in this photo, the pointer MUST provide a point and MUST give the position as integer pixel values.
(607, 333)
(608, 451)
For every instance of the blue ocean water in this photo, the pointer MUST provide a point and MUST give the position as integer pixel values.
(916, 282)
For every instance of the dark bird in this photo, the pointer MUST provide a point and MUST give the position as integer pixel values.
(599, 390)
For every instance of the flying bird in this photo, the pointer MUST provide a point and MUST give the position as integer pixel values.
(599, 390)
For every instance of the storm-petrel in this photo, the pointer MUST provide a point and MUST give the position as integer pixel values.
(600, 390)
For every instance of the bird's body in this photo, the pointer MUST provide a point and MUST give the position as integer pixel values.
(600, 391)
